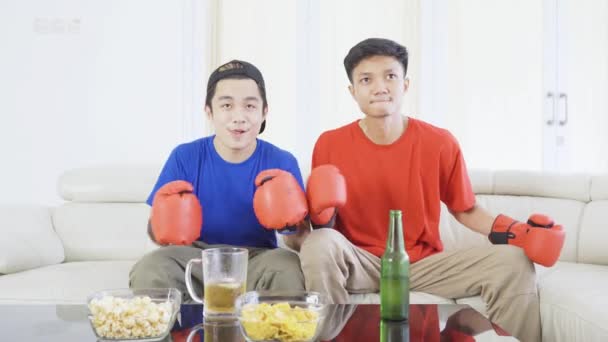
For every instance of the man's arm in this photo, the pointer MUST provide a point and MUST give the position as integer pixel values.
(477, 219)
(295, 240)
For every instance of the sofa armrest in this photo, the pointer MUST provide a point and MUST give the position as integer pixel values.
(28, 239)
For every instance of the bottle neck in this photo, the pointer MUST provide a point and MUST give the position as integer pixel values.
(395, 242)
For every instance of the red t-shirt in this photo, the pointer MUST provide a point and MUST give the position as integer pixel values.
(413, 174)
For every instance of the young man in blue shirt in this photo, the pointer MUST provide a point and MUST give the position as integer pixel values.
(221, 171)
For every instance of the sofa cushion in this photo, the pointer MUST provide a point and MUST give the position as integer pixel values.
(415, 298)
(108, 183)
(28, 239)
(573, 303)
(482, 181)
(545, 184)
(593, 234)
(599, 187)
(455, 235)
(475, 302)
(69, 282)
(103, 231)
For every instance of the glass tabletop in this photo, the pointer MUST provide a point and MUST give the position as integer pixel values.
(342, 323)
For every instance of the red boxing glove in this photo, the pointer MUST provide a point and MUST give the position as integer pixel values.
(279, 201)
(325, 191)
(540, 238)
(177, 216)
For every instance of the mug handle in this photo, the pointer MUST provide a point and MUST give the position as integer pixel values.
(188, 275)
(193, 332)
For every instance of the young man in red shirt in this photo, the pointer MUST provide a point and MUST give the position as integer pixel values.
(391, 161)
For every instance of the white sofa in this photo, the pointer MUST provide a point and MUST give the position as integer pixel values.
(64, 253)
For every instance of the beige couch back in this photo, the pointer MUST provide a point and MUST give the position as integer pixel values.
(105, 216)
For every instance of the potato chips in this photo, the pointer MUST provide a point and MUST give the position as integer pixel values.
(279, 321)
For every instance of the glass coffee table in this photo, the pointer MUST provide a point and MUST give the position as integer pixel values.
(342, 323)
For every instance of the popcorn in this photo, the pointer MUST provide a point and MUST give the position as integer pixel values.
(136, 317)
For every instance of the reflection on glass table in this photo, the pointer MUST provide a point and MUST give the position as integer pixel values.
(342, 323)
(427, 322)
(362, 323)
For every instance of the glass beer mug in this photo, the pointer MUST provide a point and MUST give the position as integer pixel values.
(224, 279)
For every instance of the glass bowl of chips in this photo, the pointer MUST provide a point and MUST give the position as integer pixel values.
(133, 314)
(281, 316)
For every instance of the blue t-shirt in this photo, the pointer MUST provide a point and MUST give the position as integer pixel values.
(226, 190)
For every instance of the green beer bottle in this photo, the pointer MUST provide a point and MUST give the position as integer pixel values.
(395, 273)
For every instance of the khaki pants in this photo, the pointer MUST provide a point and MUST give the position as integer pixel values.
(268, 269)
(501, 274)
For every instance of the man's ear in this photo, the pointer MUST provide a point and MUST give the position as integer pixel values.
(264, 112)
(351, 89)
(406, 84)
(208, 111)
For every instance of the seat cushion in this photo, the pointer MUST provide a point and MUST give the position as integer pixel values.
(574, 303)
(427, 298)
(475, 302)
(70, 282)
(415, 298)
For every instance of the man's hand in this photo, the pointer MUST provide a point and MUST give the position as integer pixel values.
(177, 216)
(295, 239)
(540, 238)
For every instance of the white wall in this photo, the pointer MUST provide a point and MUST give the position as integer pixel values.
(263, 33)
(484, 79)
(111, 81)
(300, 46)
(91, 82)
(345, 23)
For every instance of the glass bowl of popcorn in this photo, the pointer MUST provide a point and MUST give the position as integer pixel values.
(281, 317)
(133, 314)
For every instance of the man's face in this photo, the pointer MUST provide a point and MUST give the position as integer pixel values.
(379, 85)
(238, 112)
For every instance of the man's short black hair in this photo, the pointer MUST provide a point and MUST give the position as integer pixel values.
(374, 47)
(236, 69)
